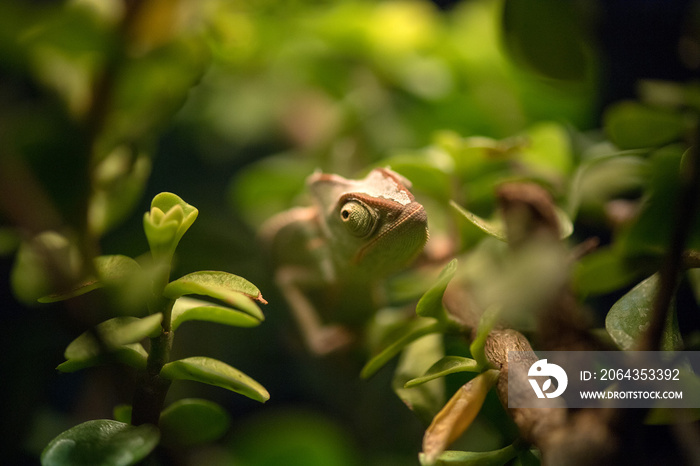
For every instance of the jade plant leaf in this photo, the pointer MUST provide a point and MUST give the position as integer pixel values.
(632, 125)
(629, 317)
(430, 304)
(497, 229)
(543, 36)
(603, 271)
(445, 366)
(166, 223)
(602, 178)
(652, 231)
(428, 170)
(529, 458)
(192, 421)
(120, 178)
(101, 442)
(457, 415)
(116, 267)
(473, 458)
(427, 399)
(217, 373)
(133, 355)
(493, 228)
(409, 333)
(232, 289)
(122, 413)
(115, 338)
(31, 278)
(113, 333)
(194, 309)
(109, 269)
(548, 149)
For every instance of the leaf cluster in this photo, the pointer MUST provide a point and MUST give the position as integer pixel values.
(119, 339)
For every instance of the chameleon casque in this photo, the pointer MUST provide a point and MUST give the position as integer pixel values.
(331, 257)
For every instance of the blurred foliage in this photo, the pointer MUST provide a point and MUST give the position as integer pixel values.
(104, 103)
(119, 339)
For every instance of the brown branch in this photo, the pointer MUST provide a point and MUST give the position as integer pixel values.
(529, 216)
(572, 437)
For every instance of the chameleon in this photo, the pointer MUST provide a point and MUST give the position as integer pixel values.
(329, 258)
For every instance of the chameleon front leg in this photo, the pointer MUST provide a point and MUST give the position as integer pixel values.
(320, 338)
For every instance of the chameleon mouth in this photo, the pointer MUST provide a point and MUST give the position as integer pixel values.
(415, 213)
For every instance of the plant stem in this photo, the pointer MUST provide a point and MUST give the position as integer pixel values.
(151, 388)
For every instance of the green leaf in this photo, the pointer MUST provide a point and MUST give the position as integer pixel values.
(110, 269)
(487, 322)
(429, 171)
(119, 181)
(652, 231)
(214, 372)
(603, 271)
(101, 443)
(292, 435)
(631, 125)
(119, 337)
(566, 226)
(414, 330)
(528, 458)
(152, 87)
(543, 35)
(116, 267)
(493, 228)
(477, 156)
(122, 413)
(161, 236)
(113, 333)
(629, 317)
(232, 289)
(194, 309)
(445, 366)
(132, 355)
(549, 149)
(473, 458)
(430, 304)
(166, 223)
(39, 261)
(606, 177)
(427, 399)
(84, 287)
(192, 421)
(496, 227)
(63, 37)
(166, 202)
(409, 285)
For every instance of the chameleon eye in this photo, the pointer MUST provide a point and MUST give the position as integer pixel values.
(359, 219)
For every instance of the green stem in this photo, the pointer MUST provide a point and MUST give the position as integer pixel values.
(478, 346)
(151, 388)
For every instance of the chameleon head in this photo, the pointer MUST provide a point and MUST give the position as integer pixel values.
(374, 223)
